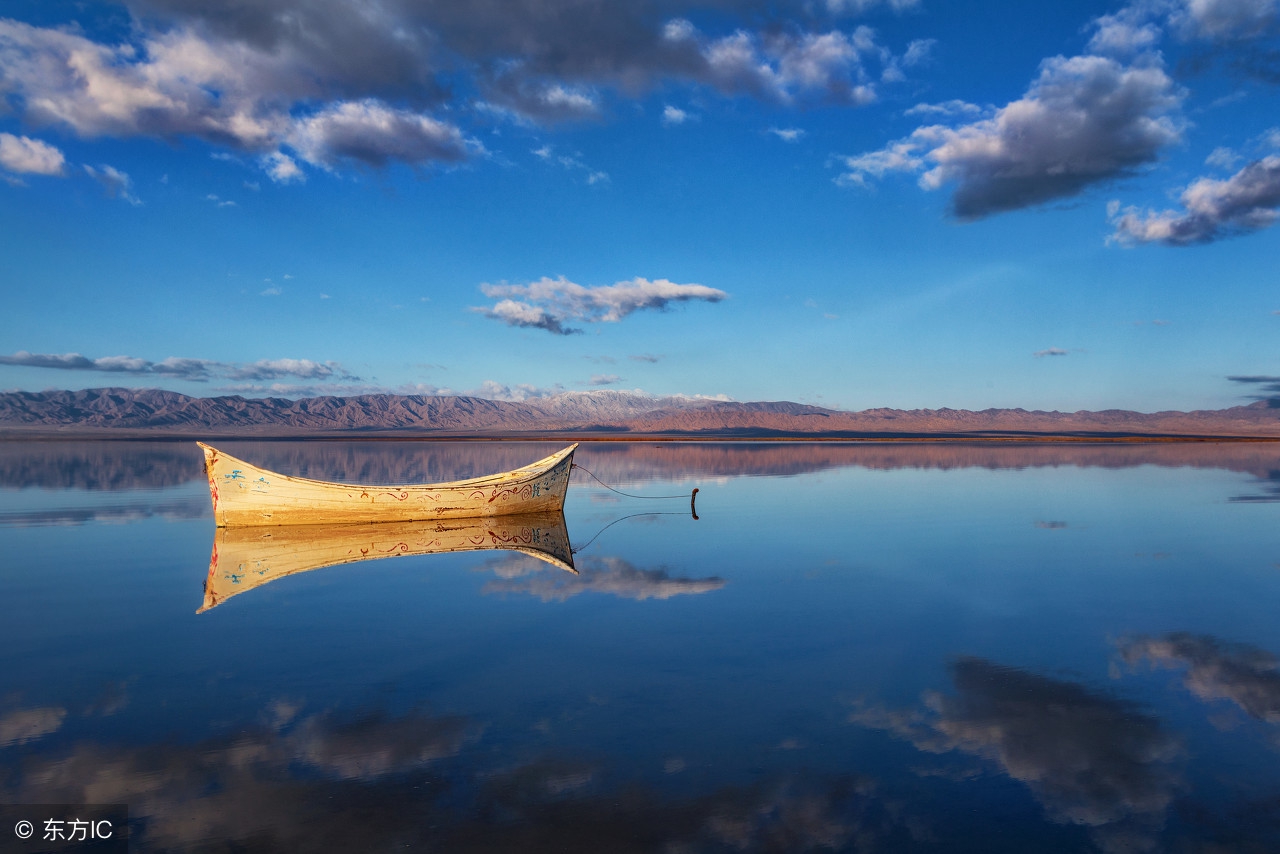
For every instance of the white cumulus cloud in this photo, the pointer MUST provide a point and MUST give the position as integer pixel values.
(787, 134)
(786, 67)
(674, 116)
(282, 168)
(946, 110)
(24, 155)
(117, 184)
(1224, 19)
(188, 82)
(198, 370)
(550, 304)
(1085, 120)
(373, 133)
(1212, 208)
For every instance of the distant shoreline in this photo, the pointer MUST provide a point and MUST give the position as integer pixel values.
(887, 438)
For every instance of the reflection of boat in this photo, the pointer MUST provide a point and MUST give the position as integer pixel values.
(244, 494)
(244, 558)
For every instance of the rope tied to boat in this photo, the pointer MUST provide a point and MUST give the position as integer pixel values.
(622, 519)
(693, 509)
(628, 494)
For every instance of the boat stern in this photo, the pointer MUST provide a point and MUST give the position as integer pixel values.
(210, 465)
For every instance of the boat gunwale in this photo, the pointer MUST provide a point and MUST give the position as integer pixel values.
(533, 470)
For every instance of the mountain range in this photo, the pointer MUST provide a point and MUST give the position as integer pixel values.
(121, 412)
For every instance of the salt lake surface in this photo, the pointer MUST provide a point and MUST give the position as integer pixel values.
(941, 648)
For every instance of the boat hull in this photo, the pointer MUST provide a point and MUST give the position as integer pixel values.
(246, 558)
(245, 495)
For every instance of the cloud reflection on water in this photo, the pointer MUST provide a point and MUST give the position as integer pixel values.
(1088, 758)
(321, 785)
(1269, 484)
(613, 575)
(23, 725)
(1245, 675)
(379, 782)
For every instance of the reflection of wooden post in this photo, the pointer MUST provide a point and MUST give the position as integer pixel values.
(692, 504)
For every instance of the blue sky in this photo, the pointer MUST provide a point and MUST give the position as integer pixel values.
(852, 203)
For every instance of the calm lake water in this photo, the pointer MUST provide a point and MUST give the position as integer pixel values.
(944, 648)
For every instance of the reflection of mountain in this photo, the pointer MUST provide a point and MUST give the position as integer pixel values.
(1245, 675)
(1089, 759)
(98, 465)
(111, 513)
(245, 558)
(596, 575)
(107, 465)
(133, 465)
(633, 462)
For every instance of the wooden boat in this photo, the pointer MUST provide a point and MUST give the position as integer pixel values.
(245, 558)
(244, 494)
